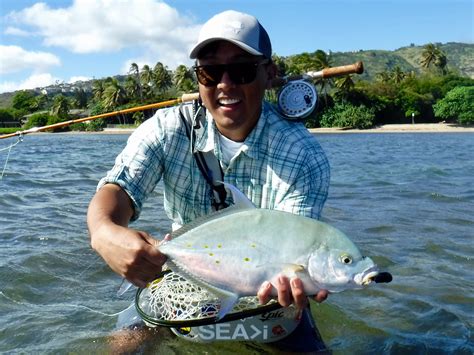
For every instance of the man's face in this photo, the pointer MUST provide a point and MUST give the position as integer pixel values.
(235, 107)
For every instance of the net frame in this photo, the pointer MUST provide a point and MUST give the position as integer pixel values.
(173, 301)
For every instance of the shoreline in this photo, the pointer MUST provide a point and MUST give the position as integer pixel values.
(401, 128)
(387, 128)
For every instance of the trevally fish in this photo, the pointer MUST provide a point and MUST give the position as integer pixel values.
(233, 251)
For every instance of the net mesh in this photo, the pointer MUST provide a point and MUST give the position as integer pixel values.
(173, 298)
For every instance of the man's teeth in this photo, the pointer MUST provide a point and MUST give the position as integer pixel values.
(228, 101)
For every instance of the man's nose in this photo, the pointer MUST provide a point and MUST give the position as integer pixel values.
(225, 81)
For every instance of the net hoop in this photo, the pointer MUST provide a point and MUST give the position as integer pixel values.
(172, 301)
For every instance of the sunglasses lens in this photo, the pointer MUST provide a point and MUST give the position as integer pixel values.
(239, 73)
(242, 73)
(209, 75)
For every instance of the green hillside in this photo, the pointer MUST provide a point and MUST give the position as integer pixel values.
(460, 58)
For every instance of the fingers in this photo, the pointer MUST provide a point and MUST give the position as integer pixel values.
(299, 298)
(264, 292)
(283, 290)
(321, 296)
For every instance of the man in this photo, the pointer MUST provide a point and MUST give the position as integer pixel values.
(277, 164)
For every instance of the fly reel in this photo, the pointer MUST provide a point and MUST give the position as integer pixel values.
(297, 99)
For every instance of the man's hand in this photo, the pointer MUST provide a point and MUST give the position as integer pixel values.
(289, 291)
(130, 253)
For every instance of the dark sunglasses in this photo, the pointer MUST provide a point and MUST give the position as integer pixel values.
(240, 73)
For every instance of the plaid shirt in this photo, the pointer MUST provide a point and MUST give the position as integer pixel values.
(280, 166)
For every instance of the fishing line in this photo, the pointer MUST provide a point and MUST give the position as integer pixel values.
(9, 149)
(54, 307)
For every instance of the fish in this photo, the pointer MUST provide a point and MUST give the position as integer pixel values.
(232, 252)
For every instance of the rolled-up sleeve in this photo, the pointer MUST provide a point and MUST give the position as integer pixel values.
(139, 167)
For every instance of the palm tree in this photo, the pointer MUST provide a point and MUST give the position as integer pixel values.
(114, 95)
(161, 77)
(146, 75)
(183, 79)
(98, 87)
(132, 88)
(344, 85)
(397, 74)
(135, 72)
(432, 54)
(60, 106)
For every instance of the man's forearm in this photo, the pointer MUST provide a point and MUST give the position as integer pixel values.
(110, 205)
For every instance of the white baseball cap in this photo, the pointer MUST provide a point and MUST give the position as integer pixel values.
(238, 28)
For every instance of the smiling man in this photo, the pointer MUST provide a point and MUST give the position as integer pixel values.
(276, 163)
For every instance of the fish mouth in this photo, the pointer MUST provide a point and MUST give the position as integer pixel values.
(369, 277)
(374, 275)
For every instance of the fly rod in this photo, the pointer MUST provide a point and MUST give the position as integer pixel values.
(356, 68)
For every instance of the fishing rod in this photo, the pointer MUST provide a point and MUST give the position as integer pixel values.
(296, 92)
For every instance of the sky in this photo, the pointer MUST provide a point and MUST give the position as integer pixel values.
(51, 41)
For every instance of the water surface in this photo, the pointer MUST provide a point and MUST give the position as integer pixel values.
(406, 200)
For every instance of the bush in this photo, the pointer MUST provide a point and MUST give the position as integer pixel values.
(348, 116)
(96, 125)
(458, 105)
(37, 120)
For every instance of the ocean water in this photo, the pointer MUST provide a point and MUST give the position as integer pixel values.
(406, 199)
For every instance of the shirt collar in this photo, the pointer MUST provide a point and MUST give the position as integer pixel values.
(207, 137)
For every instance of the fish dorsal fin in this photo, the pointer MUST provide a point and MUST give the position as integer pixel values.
(226, 298)
(240, 200)
(203, 219)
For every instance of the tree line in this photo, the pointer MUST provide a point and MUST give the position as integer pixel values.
(437, 93)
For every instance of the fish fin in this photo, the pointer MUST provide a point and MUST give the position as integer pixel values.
(203, 219)
(288, 269)
(124, 287)
(240, 200)
(227, 299)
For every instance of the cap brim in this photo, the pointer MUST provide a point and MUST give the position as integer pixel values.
(195, 51)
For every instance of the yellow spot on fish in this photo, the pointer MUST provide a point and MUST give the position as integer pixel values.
(206, 246)
(246, 259)
(253, 245)
(219, 245)
(217, 262)
(189, 245)
(211, 254)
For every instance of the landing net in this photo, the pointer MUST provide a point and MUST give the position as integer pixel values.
(174, 301)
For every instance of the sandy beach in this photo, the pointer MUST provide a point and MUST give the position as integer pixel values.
(388, 128)
(401, 128)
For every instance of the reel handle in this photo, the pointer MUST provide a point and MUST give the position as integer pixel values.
(356, 68)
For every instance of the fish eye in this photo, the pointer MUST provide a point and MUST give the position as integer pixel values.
(345, 259)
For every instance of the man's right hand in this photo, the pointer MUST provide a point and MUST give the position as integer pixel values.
(130, 253)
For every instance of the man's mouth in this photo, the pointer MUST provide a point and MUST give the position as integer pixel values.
(228, 101)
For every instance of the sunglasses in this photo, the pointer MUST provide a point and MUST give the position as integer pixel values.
(240, 73)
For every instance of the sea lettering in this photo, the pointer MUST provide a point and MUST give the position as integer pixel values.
(226, 331)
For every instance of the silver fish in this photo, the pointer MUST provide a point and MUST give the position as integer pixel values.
(232, 252)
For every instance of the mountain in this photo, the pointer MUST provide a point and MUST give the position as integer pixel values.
(460, 58)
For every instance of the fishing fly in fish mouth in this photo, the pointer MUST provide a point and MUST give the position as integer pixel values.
(270, 243)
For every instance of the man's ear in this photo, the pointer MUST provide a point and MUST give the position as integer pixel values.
(271, 74)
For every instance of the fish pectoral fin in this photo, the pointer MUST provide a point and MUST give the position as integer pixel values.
(287, 269)
(292, 270)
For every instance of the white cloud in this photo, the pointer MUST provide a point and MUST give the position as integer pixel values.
(14, 31)
(89, 26)
(34, 81)
(14, 59)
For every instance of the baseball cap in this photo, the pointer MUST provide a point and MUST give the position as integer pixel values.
(238, 28)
